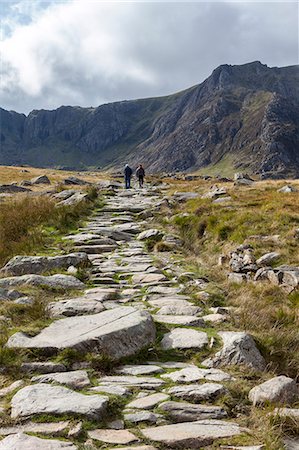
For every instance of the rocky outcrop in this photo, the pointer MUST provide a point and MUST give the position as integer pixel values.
(248, 113)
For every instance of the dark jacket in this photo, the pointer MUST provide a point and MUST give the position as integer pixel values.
(128, 172)
(140, 172)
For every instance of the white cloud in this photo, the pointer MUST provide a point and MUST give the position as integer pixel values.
(89, 52)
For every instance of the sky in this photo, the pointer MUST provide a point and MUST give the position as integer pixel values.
(90, 52)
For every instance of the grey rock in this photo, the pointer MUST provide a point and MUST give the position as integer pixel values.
(222, 199)
(131, 381)
(291, 444)
(117, 424)
(280, 389)
(152, 233)
(111, 389)
(267, 259)
(292, 413)
(42, 367)
(184, 338)
(21, 265)
(22, 441)
(52, 429)
(237, 278)
(12, 387)
(74, 199)
(148, 278)
(113, 436)
(238, 349)
(63, 195)
(112, 332)
(198, 392)
(41, 179)
(191, 374)
(75, 307)
(51, 281)
(215, 318)
(144, 369)
(77, 379)
(148, 402)
(75, 181)
(48, 399)
(12, 189)
(188, 412)
(142, 416)
(189, 321)
(287, 189)
(192, 434)
(185, 310)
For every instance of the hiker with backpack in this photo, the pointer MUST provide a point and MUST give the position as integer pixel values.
(140, 173)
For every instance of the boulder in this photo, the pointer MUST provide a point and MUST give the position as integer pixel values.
(12, 189)
(287, 189)
(74, 199)
(191, 374)
(267, 259)
(52, 281)
(58, 400)
(75, 307)
(280, 389)
(176, 309)
(141, 416)
(41, 179)
(63, 195)
(188, 412)
(147, 234)
(42, 367)
(238, 349)
(75, 181)
(21, 265)
(117, 332)
(182, 338)
(22, 441)
(192, 434)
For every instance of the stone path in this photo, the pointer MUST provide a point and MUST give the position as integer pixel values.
(165, 400)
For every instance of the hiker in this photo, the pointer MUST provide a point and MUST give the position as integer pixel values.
(128, 173)
(140, 175)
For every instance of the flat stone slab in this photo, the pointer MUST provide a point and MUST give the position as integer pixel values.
(184, 338)
(188, 412)
(113, 436)
(148, 278)
(75, 307)
(145, 369)
(169, 301)
(133, 381)
(118, 332)
(215, 318)
(22, 441)
(52, 281)
(179, 310)
(52, 429)
(238, 349)
(12, 387)
(48, 399)
(77, 379)
(192, 374)
(292, 413)
(142, 416)
(42, 367)
(192, 434)
(139, 447)
(113, 390)
(148, 402)
(197, 392)
(189, 321)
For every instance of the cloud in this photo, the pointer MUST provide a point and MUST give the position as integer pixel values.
(87, 53)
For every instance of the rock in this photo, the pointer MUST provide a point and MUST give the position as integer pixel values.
(139, 447)
(77, 379)
(188, 412)
(163, 290)
(189, 321)
(251, 447)
(147, 234)
(75, 431)
(10, 294)
(74, 199)
(142, 416)
(12, 387)
(184, 338)
(112, 389)
(24, 301)
(22, 441)
(242, 176)
(112, 332)
(222, 199)
(237, 278)
(131, 381)
(243, 182)
(63, 195)
(292, 413)
(41, 179)
(175, 301)
(139, 369)
(214, 192)
(12, 189)
(197, 392)
(238, 349)
(75, 307)
(291, 444)
(52, 429)
(43, 367)
(184, 196)
(215, 318)
(75, 181)
(21, 265)
(148, 402)
(148, 278)
(267, 259)
(177, 309)
(51, 281)
(191, 374)
(117, 424)
(48, 399)
(113, 436)
(277, 390)
(287, 189)
(192, 434)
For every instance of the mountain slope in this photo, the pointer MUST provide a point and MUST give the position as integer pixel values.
(246, 116)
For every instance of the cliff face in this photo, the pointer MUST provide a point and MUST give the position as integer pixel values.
(247, 115)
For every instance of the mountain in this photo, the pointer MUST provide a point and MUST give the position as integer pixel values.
(243, 117)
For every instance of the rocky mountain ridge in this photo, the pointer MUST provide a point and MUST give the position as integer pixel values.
(241, 117)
